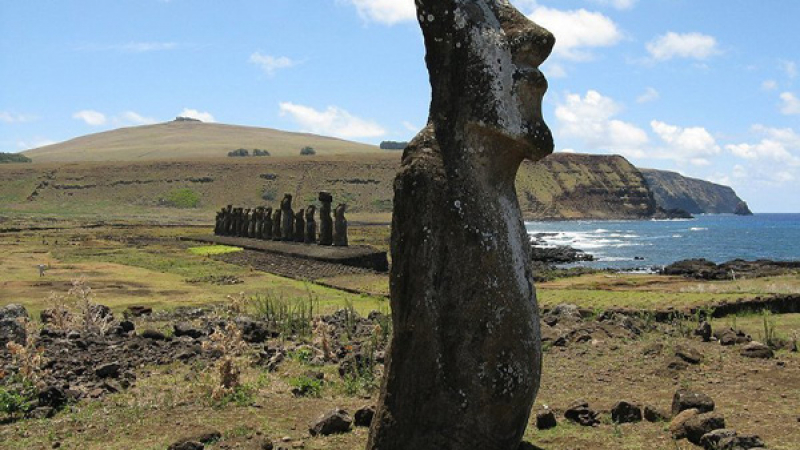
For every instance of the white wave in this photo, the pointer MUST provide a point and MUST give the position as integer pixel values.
(698, 229)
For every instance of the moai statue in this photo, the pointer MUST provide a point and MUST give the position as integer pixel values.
(237, 221)
(258, 233)
(276, 224)
(245, 223)
(287, 223)
(466, 357)
(300, 225)
(340, 226)
(227, 221)
(251, 228)
(266, 232)
(218, 222)
(311, 225)
(325, 221)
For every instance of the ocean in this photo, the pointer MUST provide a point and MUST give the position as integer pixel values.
(716, 237)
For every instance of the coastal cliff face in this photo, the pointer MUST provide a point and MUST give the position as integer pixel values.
(673, 190)
(578, 186)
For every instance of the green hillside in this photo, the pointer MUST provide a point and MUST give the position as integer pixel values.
(188, 140)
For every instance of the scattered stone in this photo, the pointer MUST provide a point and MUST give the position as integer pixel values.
(52, 396)
(13, 311)
(363, 417)
(710, 441)
(580, 413)
(703, 331)
(741, 442)
(154, 335)
(757, 350)
(110, 370)
(676, 426)
(626, 412)
(677, 364)
(546, 420)
(332, 422)
(41, 412)
(652, 414)
(653, 349)
(186, 445)
(253, 331)
(729, 336)
(12, 330)
(684, 399)
(697, 426)
(181, 329)
(688, 354)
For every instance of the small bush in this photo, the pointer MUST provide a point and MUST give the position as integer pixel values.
(259, 152)
(306, 387)
(182, 198)
(241, 152)
(307, 151)
(270, 194)
(6, 158)
(15, 401)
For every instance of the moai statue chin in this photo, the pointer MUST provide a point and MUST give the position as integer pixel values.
(340, 226)
(311, 225)
(325, 220)
(465, 357)
(287, 218)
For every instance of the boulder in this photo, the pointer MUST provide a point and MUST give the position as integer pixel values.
(676, 426)
(729, 336)
(109, 370)
(710, 441)
(154, 335)
(703, 331)
(653, 414)
(139, 311)
(688, 354)
(186, 445)
(626, 412)
(699, 425)
(546, 420)
(725, 439)
(580, 413)
(181, 329)
(52, 396)
(757, 350)
(684, 399)
(253, 331)
(332, 422)
(13, 311)
(12, 330)
(363, 417)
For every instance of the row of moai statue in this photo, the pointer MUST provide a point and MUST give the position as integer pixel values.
(284, 224)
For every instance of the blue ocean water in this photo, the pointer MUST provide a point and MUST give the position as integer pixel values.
(719, 238)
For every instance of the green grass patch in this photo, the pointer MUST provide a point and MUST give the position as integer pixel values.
(209, 250)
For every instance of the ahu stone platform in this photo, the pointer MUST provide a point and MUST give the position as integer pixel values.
(362, 256)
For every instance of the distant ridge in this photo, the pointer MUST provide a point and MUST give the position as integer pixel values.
(673, 190)
(188, 139)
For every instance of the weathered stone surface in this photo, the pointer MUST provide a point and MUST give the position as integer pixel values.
(683, 400)
(626, 412)
(757, 350)
(300, 225)
(546, 420)
(465, 358)
(653, 414)
(13, 311)
(363, 417)
(12, 330)
(276, 224)
(580, 413)
(697, 426)
(287, 218)
(677, 425)
(332, 422)
(266, 226)
(311, 225)
(688, 354)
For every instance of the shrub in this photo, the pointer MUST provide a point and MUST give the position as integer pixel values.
(306, 387)
(259, 152)
(241, 152)
(18, 400)
(6, 158)
(308, 151)
(182, 198)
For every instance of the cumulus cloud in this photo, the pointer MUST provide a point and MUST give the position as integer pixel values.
(686, 144)
(271, 64)
(133, 118)
(689, 45)
(777, 145)
(388, 12)
(91, 117)
(618, 4)
(577, 31)
(195, 114)
(650, 95)
(591, 119)
(12, 117)
(331, 122)
(790, 104)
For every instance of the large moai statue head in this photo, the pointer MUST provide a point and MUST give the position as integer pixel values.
(465, 358)
(286, 202)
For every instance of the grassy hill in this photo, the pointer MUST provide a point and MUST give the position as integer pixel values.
(673, 190)
(188, 140)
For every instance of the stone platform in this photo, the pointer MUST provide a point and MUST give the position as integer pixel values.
(362, 256)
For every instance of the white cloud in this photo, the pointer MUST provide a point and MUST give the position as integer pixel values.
(576, 31)
(789, 68)
(10, 117)
(554, 70)
(618, 4)
(91, 117)
(690, 45)
(590, 119)
(195, 114)
(686, 144)
(790, 103)
(777, 145)
(388, 12)
(650, 95)
(769, 85)
(34, 143)
(271, 64)
(332, 122)
(410, 127)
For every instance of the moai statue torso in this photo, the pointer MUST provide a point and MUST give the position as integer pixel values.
(257, 233)
(245, 226)
(287, 218)
(237, 221)
(465, 359)
(227, 220)
(219, 221)
(276, 224)
(251, 226)
(266, 226)
(299, 225)
(340, 226)
(311, 225)
(325, 220)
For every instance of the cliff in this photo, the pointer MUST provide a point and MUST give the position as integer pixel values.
(673, 190)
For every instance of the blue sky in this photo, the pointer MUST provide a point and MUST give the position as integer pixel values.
(707, 88)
